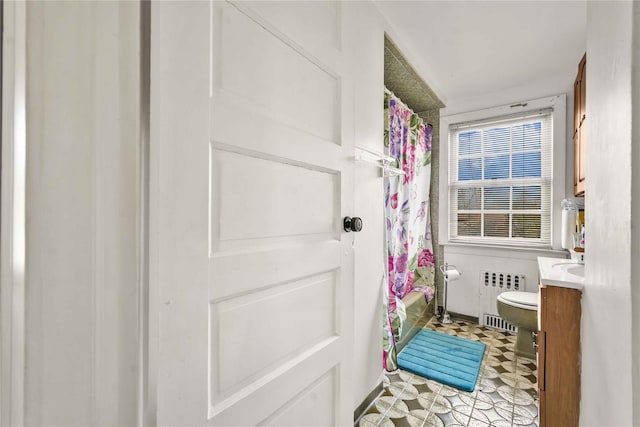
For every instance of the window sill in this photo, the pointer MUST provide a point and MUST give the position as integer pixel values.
(547, 250)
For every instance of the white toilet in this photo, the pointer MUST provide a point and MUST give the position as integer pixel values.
(521, 310)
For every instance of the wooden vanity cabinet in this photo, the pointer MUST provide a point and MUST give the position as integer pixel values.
(559, 356)
(579, 119)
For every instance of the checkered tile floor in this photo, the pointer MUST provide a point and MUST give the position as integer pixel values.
(505, 394)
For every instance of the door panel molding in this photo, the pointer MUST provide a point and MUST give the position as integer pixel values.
(220, 274)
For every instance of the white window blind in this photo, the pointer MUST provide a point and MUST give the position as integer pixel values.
(500, 180)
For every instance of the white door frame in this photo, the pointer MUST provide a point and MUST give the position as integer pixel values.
(12, 206)
(146, 380)
(13, 219)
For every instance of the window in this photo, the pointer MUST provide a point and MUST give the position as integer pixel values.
(500, 180)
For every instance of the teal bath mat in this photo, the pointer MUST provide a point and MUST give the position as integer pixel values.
(450, 360)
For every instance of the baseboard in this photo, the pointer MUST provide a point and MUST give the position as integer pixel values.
(367, 402)
(464, 317)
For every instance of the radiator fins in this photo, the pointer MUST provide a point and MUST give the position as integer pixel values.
(493, 284)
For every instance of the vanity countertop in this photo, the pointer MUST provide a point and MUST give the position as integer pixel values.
(561, 272)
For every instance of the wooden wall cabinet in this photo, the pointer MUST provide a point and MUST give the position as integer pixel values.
(579, 118)
(559, 356)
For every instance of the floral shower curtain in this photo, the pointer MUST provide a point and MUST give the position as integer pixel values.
(408, 225)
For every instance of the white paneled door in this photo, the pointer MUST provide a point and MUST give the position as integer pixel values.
(251, 275)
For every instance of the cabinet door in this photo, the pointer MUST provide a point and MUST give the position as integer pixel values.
(579, 119)
(576, 104)
(578, 160)
(578, 170)
(583, 88)
(541, 349)
(583, 118)
(581, 149)
(559, 367)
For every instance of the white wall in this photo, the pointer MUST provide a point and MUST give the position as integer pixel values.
(608, 336)
(635, 218)
(464, 294)
(555, 85)
(366, 37)
(367, 32)
(81, 274)
(549, 86)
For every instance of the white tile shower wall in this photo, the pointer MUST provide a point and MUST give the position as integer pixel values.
(464, 294)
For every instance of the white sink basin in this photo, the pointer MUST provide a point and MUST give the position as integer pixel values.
(571, 268)
(560, 272)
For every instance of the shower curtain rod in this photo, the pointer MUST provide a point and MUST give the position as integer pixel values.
(388, 92)
(398, 99)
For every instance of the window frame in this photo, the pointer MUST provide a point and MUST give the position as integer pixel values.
(450, 126)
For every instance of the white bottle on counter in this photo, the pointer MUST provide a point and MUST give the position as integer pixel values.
(569, 216)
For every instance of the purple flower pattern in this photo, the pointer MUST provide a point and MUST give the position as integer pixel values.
(408, 226)
(425, 258)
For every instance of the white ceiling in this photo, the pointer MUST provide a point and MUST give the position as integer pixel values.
(467, 49)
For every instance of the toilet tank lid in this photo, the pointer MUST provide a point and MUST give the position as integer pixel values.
(525, 298)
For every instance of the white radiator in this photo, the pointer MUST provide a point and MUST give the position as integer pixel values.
(492, 284)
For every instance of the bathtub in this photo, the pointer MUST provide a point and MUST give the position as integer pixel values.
(419, 312)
